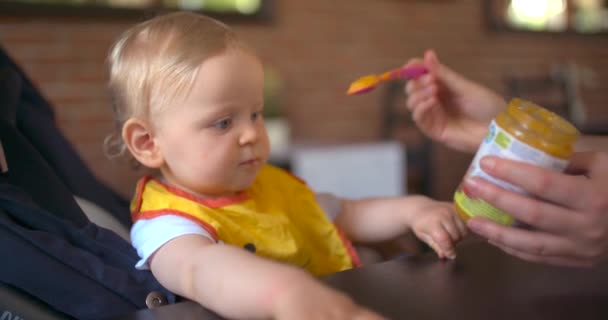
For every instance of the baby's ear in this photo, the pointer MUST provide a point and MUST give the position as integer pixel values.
(139, 139)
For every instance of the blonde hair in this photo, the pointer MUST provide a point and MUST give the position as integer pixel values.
(154, 62)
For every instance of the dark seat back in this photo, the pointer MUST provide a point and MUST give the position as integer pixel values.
(53, 260)
(16, 305)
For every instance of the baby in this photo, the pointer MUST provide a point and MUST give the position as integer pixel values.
(219, 225)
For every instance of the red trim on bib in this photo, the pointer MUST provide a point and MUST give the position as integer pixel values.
(209, 202)
(350, 249)
(139, 190)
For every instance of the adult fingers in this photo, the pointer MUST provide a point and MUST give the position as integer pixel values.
(415, 100)
(423, 86)
(449, 77)
(414, 61)
(542, 215)
(431, 61)
(416, 85)
(422, 110)
(588, 163)
(565, 190)
(531, 242)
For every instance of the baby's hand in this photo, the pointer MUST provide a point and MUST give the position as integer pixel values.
(307, 298)
(438, 225)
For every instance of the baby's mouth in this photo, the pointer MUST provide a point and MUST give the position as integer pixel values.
(250, 162)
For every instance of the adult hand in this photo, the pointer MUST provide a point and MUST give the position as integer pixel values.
(449, 108)
(567, 212)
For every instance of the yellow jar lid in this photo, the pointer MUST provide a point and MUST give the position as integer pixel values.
(540, 127)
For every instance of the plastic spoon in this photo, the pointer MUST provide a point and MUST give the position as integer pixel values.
(370, 82)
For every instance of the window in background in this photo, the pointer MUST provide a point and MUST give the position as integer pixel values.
(242, 8)
(590, 16)
(579, 16)
(538, 15)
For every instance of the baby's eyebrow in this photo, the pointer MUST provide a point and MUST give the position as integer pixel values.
(218, 111)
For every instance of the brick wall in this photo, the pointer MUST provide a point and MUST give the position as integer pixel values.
(318, 47)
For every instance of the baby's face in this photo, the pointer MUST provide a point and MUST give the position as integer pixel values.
(214, 142)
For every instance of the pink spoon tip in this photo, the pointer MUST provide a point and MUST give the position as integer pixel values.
(413, 72)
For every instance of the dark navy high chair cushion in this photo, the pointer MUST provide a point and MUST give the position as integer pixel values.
(49, 251)
(36, 121)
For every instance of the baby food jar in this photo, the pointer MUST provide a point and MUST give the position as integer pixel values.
(523, 132)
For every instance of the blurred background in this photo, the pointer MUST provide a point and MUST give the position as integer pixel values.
(554, 52)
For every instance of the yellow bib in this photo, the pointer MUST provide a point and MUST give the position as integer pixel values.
(277, 217)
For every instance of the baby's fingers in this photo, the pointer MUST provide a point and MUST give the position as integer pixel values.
(452, 229)
(443, 242)
(428, 240)
(462, 228)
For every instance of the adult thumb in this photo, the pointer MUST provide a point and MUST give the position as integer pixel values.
(431, 61)
(451, 79)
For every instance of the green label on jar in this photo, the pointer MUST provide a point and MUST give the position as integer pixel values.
(481, 208)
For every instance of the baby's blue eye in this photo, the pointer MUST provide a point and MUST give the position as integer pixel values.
(223, 124)
(256, 115)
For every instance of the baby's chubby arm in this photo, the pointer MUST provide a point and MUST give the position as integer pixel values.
(380, 219)
(240, 285)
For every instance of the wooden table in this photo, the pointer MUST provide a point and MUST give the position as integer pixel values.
(482, 283)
